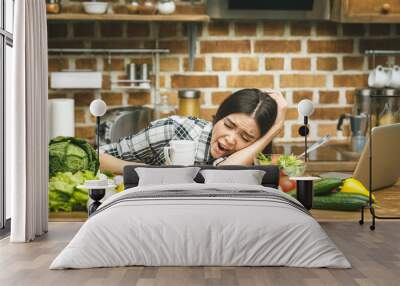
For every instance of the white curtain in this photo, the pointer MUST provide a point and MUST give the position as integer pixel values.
(26, 124)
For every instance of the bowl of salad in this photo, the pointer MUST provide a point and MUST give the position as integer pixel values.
(289, 165)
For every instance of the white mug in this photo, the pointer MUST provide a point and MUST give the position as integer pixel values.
(394, 80)
(379, 77)
(180, 152)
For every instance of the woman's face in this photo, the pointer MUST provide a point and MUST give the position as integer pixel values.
(232, 133)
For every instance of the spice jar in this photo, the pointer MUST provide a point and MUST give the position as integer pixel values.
(189, 102)
(147, 7)
(166, 7)
(164, 109)
(133, 7)
(53, 7)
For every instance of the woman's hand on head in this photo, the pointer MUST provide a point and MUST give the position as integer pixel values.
(282, 107)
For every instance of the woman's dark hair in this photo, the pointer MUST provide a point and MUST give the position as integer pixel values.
(252, 102)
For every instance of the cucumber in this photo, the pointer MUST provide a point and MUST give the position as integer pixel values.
(326, 186)
(339, 202)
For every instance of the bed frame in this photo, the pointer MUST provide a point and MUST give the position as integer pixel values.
(270, 179)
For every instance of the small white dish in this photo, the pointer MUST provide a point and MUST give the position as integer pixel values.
(95, 7)
(97, 184)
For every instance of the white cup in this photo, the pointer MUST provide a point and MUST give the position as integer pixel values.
(379, 77)
(180, 152)
(394, 80)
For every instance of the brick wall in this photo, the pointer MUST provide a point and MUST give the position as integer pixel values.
(321, 61)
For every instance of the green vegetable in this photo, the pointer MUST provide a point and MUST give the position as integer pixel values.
(339, 202)
(285, 161)
(326, 186)
(64, 194)
(69, 154)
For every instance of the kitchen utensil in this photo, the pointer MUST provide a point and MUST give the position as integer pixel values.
(359, 128)
(180, 152)
(131, 71)
(142, 73)
(379, 77)
(394, 80)
(95, 7)
(163, 109)
(123, 121)
(189, 102)
(166, 7)
(316, 145)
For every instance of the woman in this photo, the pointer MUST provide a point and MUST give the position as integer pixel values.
(245, 123)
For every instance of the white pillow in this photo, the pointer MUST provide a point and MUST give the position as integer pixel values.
(249, 177)
(166, 176)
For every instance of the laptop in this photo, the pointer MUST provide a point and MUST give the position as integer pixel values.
(385, 159)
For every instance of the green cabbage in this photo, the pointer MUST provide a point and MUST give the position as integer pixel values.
(69, 154)
(64, 194)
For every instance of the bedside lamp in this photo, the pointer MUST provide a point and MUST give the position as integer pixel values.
(305, 109)
(97, 188)
(98, 108)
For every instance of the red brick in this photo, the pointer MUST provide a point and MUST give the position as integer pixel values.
(208, 113)
(84, 29)
(111, 29)
(65, 44)
(350, 80)
(380, 44)
(326, 129)
(302, 80)
(379, 29)
(302, 94)
(329, 113)
(139, 98)
(219, 96)
(175, 47)
(326, 29)
(79, 115)
(106, 82)
(274, 63)
(353, 63)
(350, 94)
(300, 28)
(226, 46)
(57, 64)
(139, 30)
(169, 64)
(330, 46)
(277, 46)
(87, 132)
(354, 29)
(119, 44)
(194, 81)
(248, 64)
(295, 130)
(274, 28)
(83, 63)
(301, 64)
(57, 30)
(83, 98)
(112, 98)
(168, 30)
(245, 29)
(198, 65)
(250, 81)
(379, 60)
(221, 64)
(115, 65)
(328, 97)
(327, 64)
(218, 28)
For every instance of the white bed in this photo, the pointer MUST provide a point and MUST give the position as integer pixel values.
(201, 224)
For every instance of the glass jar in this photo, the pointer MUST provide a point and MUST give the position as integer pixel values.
(53, 6)
(163, 109)
(133, 7)
(147, 7)
(189, 102)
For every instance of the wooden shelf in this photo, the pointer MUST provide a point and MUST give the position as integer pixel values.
(128, 17)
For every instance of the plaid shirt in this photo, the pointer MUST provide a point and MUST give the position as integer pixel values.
(147, 145)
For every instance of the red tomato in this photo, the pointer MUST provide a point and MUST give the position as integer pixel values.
(286, 184)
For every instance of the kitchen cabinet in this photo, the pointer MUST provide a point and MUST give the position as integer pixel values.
(366, 11)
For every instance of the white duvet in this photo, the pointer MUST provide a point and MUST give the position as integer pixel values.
(184, 230)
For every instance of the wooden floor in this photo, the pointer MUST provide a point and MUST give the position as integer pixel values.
(374, 255)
